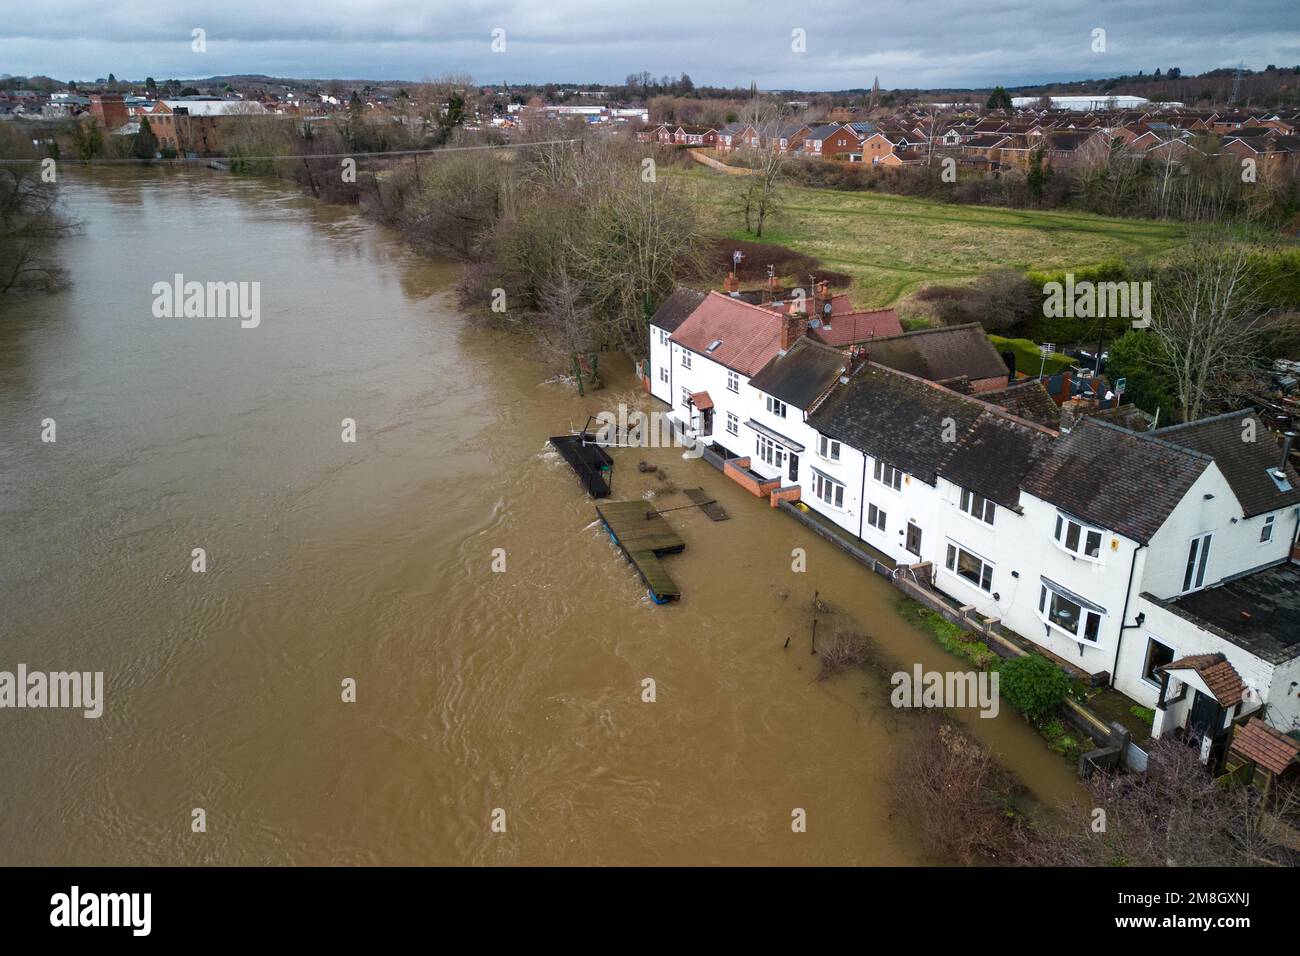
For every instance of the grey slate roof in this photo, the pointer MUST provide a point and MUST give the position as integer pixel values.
(673, 311)
(1114, 478)
(1244, 464)
(993, 457)
(824, 132)
(802, 374)
(896, 418)
(1027, 398)
(939, 354)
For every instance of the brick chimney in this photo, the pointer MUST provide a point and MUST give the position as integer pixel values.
(821, 295)
(731, 285)
(793, 326)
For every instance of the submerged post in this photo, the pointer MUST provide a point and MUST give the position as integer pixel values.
(814, 627)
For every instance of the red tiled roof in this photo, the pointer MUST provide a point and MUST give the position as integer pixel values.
(701, 400)
(1220, 677)
(1269, 748)
(750, 335)
(849, 328)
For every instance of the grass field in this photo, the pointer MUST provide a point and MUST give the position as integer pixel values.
(1028, 357)
(892, 245)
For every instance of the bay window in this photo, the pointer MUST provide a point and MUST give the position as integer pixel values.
(1070, 613)
(1078, 538)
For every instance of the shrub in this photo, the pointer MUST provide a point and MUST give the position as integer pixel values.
(1033, 685)
(843, 651)
(1145, 714)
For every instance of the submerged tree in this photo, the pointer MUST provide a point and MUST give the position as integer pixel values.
(31, 220)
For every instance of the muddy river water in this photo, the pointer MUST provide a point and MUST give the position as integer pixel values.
(373, 560)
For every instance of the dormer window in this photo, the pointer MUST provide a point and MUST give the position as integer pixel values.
(1078, 538)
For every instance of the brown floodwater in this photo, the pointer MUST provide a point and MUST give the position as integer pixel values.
(372, 560)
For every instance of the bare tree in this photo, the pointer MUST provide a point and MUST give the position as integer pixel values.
(565, 327)
(1174, 814)
(1209, 321)
(954, 793)
(761, 194)
(31, 220)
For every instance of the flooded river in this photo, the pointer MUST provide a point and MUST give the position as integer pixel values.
(373, 560)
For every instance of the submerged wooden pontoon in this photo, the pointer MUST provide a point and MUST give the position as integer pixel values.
(589, 461)
(644, 535)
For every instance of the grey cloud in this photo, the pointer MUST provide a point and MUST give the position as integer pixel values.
(928, 43)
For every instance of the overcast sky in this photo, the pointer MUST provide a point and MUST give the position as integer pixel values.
(908, 43)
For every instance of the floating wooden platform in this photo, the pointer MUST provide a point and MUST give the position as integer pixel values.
(707, 504)
(591, 463)
(644, 535)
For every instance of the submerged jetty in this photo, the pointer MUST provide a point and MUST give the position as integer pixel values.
(589, 461)
(644, 535)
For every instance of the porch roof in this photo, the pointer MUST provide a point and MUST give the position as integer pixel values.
(1220, 678)
(701, 400)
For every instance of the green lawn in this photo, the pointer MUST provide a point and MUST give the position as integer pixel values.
(892, 245)
(1028, 358)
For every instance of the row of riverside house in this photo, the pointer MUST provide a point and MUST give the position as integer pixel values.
(1162, 562)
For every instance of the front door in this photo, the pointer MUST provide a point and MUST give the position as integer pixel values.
(1205, 718)
(706, 422)
(794, 467)
(914, 539)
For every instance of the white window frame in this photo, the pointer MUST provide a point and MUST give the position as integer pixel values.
(686, 398)
(1266, 531)
(686, 358)
(733, 424)
(982, 509)
(1146, 659)
(733, 381)
(952, 561)
(1061, 535)
(888, 475)
(776, 407)
(877, 517)
(663, 373)
(663, 336)
(1080, 632)
(1197, 562)
(828, 448)
(828, 491)
(772, 452)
